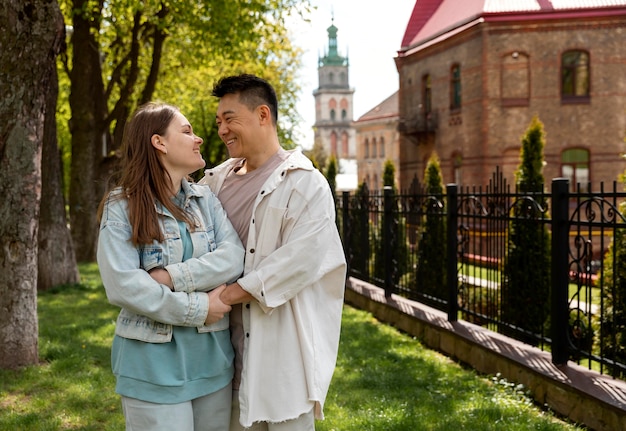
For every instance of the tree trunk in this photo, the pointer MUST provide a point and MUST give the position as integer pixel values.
(89, 135)
(56, 260)
(30, 36)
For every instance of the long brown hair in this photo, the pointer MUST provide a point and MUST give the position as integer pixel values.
(144, 180)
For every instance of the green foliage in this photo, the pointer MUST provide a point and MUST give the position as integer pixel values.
(397, 242)
(318, 155)
(359, 234)
(613, 337)
(526, 281)
(389, 175)
(331, 174)
(202, 42)
(529, 174)
(431, 256)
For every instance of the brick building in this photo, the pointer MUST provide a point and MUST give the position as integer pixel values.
(473, 74)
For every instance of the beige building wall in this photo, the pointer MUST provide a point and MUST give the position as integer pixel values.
(378, 140)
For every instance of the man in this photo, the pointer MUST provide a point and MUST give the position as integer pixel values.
(286, 315)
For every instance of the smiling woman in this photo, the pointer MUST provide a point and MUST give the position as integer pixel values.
(165, 250)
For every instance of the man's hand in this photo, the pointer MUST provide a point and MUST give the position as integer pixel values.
(162, 276)
(217, 309)
(235, 294)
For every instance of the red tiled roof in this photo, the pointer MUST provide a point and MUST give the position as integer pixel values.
(422, 11)
(387, 108)
(431, 18)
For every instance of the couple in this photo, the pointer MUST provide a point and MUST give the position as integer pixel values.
(229, 307)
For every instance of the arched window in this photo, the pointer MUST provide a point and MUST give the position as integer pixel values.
(333, 144)
(381, 147)
(455, 87)
(515, 79)
(575, 167)
(332, 114)
(575, 76)
(367, 148)
(345, 152)
(374, 148)
(344, 114)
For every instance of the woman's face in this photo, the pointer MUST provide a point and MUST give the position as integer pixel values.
(181, 147)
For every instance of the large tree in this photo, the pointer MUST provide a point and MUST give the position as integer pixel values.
(56, 263)
(30, 36)
(121, 54)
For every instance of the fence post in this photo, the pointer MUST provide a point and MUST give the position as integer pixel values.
(560, 274)
(345, 220)
(388, 240)
(451, 252)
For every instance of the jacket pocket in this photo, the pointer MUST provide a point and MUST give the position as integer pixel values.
(151, 257)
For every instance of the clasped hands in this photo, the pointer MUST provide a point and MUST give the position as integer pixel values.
(217, 307)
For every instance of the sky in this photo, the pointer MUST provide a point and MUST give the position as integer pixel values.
(369, 33)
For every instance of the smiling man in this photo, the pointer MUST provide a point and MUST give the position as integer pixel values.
(286, 315)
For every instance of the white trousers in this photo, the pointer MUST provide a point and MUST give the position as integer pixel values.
(208, 413)
(305, 422)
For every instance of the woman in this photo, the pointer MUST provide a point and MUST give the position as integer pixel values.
(165, 250)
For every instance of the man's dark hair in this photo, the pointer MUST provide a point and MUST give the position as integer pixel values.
(252, 90)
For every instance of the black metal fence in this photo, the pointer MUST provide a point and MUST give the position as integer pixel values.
(542, 267)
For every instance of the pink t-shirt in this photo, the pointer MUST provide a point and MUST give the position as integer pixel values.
(237, 195)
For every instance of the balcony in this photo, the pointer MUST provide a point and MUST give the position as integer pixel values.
(419, 124)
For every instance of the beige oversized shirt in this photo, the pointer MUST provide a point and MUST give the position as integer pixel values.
(296, 270)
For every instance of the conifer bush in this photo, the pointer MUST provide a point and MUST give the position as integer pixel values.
(398, 241)
(613, 277)
(526, 281)
(431, 255)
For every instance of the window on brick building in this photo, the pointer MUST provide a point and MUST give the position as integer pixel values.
(455, 87)
(374, 148)
(367, 148)
(575, 167)
(575, 76)
(381, 146)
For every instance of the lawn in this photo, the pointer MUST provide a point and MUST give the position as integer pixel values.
(384, 381)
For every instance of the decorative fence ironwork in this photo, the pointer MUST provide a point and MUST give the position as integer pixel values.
(541, 267)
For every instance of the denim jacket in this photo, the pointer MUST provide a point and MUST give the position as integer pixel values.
(149, 309)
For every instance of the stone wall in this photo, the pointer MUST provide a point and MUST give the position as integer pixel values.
(582, 395)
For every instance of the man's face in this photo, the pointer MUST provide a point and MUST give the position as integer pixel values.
(238, 127)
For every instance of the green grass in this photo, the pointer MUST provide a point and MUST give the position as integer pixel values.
(384, 380)
(495, 276)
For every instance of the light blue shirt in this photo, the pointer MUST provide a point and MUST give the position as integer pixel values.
(192, 365)
(162, 351)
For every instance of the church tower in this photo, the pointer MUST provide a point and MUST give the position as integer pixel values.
(333, 104)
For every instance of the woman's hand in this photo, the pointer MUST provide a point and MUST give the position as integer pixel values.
(217, 308)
